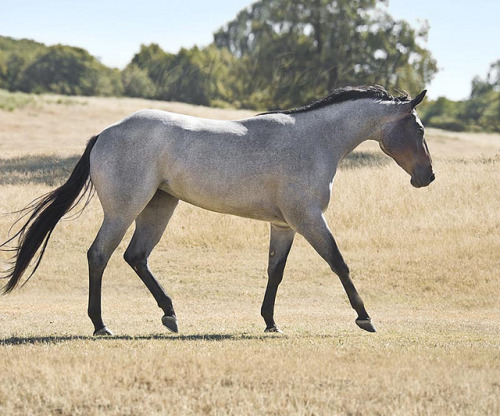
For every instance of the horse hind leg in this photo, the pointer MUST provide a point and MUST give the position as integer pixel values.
(279, 247)
(119, 214)
(150, 225)
(109, 236)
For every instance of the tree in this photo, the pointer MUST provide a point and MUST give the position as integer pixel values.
(197, 76)
(301, 50)
(156, 63)
(15, 57)
(481, 112)
(72, 71)
(136, 82)
(483, 107)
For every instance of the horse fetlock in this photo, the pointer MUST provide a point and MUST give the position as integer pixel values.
(268, 316)
(357, 304)
(167, 308)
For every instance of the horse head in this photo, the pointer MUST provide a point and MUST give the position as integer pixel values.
(403, 139)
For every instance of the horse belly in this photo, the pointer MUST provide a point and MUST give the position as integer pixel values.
(232, 194)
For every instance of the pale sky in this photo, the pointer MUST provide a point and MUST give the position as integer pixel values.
(464, 35)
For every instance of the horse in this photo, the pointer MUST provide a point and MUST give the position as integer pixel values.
(276, 166)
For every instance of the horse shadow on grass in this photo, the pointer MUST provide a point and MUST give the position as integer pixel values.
(46, 170)
(57, 339)
(361, 159)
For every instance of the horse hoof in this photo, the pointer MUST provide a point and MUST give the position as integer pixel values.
(170, 322)
(366, 324)
(274, 329)
(103, 332)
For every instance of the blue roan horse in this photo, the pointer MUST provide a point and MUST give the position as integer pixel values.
(276, 167)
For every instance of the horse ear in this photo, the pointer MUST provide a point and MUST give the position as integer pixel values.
(418, 99)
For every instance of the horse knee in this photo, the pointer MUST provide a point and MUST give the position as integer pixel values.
(135, 260)
(275, 275)
(341, 269)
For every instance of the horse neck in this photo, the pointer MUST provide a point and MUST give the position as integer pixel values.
(341, 127)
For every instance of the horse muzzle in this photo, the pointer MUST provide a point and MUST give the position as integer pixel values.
(421, 178)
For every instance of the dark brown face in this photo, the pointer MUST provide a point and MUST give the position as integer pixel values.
(403, 140)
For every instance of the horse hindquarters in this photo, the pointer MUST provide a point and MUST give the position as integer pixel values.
(125, 185)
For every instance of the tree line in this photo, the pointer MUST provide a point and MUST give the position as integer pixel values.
(480, 112)
(274, 54)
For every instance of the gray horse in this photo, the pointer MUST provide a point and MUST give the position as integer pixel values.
(276, 167)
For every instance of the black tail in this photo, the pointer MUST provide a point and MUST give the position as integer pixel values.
(44, 214)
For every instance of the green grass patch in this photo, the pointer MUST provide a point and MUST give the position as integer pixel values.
(10, 101)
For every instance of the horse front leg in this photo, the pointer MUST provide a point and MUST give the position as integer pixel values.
(312, 225)
(279, 247)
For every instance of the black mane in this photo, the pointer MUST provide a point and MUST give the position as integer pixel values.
(345, 94)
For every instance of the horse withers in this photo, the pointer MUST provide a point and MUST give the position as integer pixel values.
(277, 167)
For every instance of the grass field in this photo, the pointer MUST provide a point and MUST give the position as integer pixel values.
(426, 262)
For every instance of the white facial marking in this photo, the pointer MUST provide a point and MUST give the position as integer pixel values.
(417, 119)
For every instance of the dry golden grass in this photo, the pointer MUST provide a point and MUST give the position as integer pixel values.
(427, 263)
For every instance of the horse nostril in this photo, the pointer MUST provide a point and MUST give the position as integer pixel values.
(432, 177)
